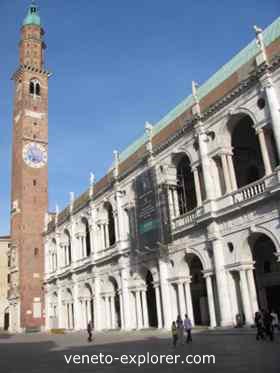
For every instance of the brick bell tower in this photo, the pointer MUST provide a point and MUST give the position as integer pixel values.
(30, 172)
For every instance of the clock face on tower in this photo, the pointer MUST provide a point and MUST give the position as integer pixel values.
(34, 155)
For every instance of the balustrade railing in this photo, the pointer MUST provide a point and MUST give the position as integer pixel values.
(188, 218)
(245, 193)
(249, 191)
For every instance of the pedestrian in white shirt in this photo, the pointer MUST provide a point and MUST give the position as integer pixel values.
(188, 328)
(275, 320)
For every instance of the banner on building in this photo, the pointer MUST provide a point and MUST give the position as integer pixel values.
(147, 211)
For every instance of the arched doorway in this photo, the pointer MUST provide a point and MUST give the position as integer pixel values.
(115, 308)
(6, 319)
(247, 158)
(267, 272)
(69, 310)
(151, 300)
(198, 291)
(87, 305)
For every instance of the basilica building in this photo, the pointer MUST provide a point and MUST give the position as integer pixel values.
(186, 221)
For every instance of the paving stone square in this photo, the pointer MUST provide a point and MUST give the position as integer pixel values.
(234, 351)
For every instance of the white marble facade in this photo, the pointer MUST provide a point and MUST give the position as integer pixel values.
(223, 258)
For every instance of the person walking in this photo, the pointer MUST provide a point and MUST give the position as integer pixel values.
(267, 320)
(275, 320)
(89, 330)
(174, 333)
(259, 326)
(188, 328)
(180, 329)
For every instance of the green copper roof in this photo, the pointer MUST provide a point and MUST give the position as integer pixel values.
(32, 17)
(271, 33)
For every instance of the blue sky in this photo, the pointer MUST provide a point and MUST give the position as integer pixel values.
(116, 64)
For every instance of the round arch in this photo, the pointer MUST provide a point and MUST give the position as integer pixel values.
(69, 315)
(247, 156)
(86, 241)
(114, 312)
(224, 131)
(148, 267)
(151, 300)
(264, 245)
(186, 191)
(179, 152)
(196, 266)
(262, 230)
(87, 304)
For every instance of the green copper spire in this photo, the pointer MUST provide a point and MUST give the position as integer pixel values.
(33, 17)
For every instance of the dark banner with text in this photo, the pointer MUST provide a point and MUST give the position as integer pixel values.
(148, 217)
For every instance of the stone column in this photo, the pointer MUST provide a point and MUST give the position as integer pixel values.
(120, 215)
(93, 230)
(86, 311)
(73, 240)
(107, 310)
(89, 310)
(101, 241)
(117, 227)
(76, 316)
(125, 299)
(66, 313)
(223, 293)
(48, 309)
(80, 250)
(174, 308)
(264, 151)
(245, 297)
(73, 315)
(139, 310)
(226, 173)
(210, 298)
(145, 309)
(274, 107)
(132, 306)
(171, 203)
(233, 296)
(206, 163)
(197, 187)
(181, 299)
(60, 307)
(159, 310)
(113, 314)
(59, 254)
(69, 315)
(106, 235)
(232, 173)
(176, 202)
(97, 305)
(49, 262)
(121, 310)
(189, 300)
(252, 290)
(65, 257)
(163, 271)
(82, 314)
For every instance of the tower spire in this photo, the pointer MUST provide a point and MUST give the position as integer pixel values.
(33, 16)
